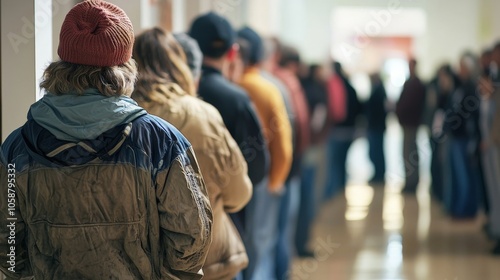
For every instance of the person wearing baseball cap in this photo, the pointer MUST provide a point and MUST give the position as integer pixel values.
(265, 205)
(217, 41)
(102, 189)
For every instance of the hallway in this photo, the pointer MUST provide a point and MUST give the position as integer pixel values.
(376, 234)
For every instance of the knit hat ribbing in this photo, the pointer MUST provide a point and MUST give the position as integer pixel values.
(96, 33)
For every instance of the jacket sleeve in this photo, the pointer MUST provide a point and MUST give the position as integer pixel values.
(12, 239)
(237, 188)
(185, 217)
(250, 138)
(280, 141)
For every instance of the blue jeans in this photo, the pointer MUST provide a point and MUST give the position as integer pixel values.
(336, 167)
(261, 234)
(462, 194)
(308, 199)
(376, 143)
(286, 227)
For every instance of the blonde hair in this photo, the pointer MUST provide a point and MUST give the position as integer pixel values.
(62, 77)
(162, 64)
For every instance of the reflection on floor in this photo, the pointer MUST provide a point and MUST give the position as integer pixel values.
(378, 234)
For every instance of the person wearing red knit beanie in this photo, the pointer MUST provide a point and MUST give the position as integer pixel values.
(96, 187)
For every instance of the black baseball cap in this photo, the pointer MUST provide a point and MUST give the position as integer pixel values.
(256, 51)
(214, 34)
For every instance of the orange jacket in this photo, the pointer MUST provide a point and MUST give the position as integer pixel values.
(274, 119)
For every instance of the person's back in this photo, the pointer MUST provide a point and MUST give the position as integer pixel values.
(101, 187)
(164, 84)
(354, 107)
(409, 110)
(225, 174)
(376, 111)
(274, 119)
(216, 39)
(410, 106)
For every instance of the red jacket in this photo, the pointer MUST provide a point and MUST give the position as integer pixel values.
(301, 125)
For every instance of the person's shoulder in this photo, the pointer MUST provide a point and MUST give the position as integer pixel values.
(199, 109)
(13, 152)
(157, 135)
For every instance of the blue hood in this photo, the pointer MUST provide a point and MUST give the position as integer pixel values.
(73, 117)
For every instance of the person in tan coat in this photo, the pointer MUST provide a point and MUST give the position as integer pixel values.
(166, 88)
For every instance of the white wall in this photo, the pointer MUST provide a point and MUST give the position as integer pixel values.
(453, 26)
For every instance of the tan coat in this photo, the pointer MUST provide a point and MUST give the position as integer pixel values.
(223, 168)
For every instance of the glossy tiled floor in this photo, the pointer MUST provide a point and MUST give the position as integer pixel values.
(377, 234)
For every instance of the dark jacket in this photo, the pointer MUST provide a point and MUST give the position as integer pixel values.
(376, 112)
(354, 106)
(317, 96)
(128, 204)
(240, 118)
(462, 115)
(410, 106)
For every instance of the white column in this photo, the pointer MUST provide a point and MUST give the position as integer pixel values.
(179, 16)
(26, 28)
(43, 40)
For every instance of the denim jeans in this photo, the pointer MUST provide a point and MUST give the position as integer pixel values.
(336, 166)
(376, 153)
(308, 198)
(286, 227)
(463, 192)
(261, 233)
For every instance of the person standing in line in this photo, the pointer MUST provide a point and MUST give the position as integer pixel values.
(290, 202)
(217, 41)
(490, 147)
(103, 189)
(163, 90)
(315, 88)
(409, 110)
(342, 136)
(439, 93)
(337, 109)
(263, 210)
(376, 114)
(286, 68)
(462, 126)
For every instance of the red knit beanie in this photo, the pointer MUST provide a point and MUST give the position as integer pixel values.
(96, 33)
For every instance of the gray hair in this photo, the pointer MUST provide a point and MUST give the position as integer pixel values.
(194, 56)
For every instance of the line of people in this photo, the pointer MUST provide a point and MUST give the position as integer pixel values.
(463, 120)
(163, 156)
(458, 110)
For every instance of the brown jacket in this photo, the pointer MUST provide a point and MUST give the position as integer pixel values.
(224, 171)
(129, 204)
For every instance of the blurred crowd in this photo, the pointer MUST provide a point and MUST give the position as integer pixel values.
(256, 119)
